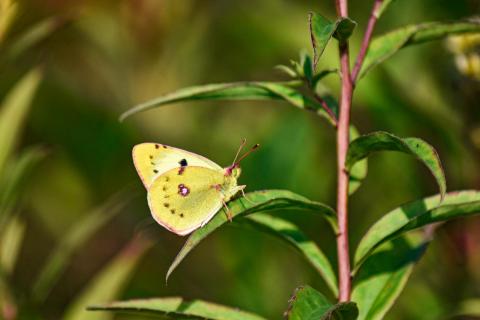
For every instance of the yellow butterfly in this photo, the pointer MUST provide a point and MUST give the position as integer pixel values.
(185, 190)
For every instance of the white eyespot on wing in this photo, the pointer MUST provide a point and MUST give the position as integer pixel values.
(185, 200)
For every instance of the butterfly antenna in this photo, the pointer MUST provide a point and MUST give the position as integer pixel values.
(246, 154)
(244, 141)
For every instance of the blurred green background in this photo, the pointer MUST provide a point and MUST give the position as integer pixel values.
(98, 58)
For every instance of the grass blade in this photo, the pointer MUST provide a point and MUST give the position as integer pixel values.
(73, 240)
(109, 283)
(14, 110)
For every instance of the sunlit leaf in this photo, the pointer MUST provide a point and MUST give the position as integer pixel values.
(287, 70)
(364, 145)
(8, 13)
(235, 91)
(309, 304)
(384, 274)
(384, 46)
(74, 239)
(290, 233)
(10, 242)
(34, 35)
(258, 201)
(13, 112)
(18, 170)
(109, 283)
(470, 307)
(175, 307)
(417, 214)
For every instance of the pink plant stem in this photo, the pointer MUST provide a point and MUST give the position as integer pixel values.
(342, 174)
(366, 40)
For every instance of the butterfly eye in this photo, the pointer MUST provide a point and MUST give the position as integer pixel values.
(183, 162)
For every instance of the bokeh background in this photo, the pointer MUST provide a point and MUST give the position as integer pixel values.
(98, 58)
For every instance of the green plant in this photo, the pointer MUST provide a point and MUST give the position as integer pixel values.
(384, 258)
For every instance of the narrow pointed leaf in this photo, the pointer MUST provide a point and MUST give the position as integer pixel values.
(385, 46)
(18, 170)
(345, 27)
(10, 243)
(309, 304)
(283, 91)
(176, 307)
(414, 215)
(470, 307)
(384, 274)
(74, 239)
(109, 282)
(13, 111)
(385, 3)
(361, 147)
(291, 234)
(258, 201)
(322, 30)
(34, 35)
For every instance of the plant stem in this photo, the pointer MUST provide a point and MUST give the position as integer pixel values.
(366, 40)
(342, 174)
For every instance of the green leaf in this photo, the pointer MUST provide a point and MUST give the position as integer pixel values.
(470, 307)
(34, 35)
(10, 242)
(359, 170)
(18, 170)
(13, 112)
(258, 201)
(287, 70)
(385, 46)
(379, 12)
(110, 281)
(73, 240)
(345, 27)
(414, 215)
(283, 91)
(309, 304)
(384, 274)
(290, 233)
(176, 307)
(361, 147)
(322, 30)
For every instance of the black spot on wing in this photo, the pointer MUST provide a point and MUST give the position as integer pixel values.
(183, 162)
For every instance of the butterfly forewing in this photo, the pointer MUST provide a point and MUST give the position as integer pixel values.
(184, 199)
(153, 159)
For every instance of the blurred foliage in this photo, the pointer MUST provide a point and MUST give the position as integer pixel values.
(100, 57)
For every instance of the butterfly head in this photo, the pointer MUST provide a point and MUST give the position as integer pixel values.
(234, 170)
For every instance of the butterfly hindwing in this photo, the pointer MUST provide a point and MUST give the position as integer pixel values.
(184, 199)
(154, 159)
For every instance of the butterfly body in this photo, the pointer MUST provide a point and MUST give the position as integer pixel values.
(185, 190)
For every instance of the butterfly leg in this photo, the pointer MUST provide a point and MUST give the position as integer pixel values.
(245, 196)
(227, 211)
